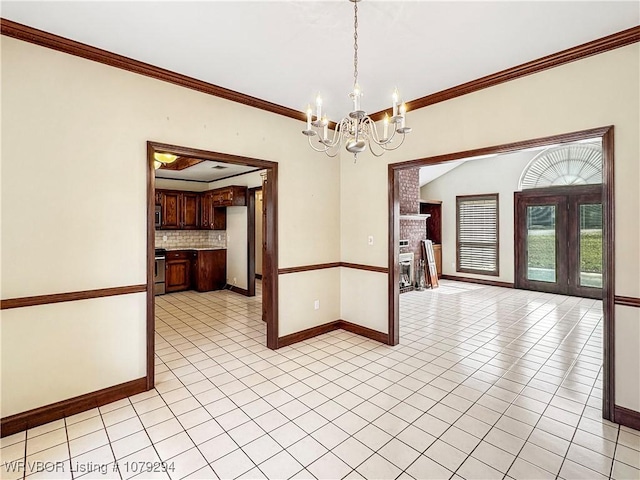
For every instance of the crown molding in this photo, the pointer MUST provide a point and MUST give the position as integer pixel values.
(601, 45)
(61, 44)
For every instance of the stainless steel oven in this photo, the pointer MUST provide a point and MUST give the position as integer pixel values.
(158, 272)
(158, 216)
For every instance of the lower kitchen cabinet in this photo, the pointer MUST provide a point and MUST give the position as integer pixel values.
(209, 270)
(178, 271)
(201, 270)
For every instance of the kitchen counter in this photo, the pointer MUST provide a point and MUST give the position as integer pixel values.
(180, 249)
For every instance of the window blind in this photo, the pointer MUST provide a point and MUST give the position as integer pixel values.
(477, 234)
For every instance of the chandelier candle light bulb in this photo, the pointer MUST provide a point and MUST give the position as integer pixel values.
(318, 108)
(356, 130)
(356, 97)
(385, 123)
(395, 97)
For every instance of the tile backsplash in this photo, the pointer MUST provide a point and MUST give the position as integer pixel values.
(177, 239)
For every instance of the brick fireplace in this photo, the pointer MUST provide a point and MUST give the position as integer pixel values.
(412, 228)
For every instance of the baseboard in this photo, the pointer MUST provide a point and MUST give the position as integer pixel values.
(259, 276)
(329, 327)
(628, 418)
(41, 415)
(480, 281)
(308, 333)
(364, 331)
(239, 290)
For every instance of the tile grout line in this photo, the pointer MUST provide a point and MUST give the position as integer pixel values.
(510, 403)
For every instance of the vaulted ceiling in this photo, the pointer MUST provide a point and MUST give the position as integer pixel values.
(288, 51)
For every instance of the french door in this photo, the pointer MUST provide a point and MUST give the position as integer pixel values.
(558, 240)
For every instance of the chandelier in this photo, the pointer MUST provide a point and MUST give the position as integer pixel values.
(357, 130)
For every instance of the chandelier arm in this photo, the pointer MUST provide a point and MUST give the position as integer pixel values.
(373, 152)
(374, 133)
(321, 150)
(333, 142)
(389, 149)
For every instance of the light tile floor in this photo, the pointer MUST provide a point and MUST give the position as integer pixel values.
(486, 383)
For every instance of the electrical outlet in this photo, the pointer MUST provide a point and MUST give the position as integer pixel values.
(453, 265)
(235, 280)
(316, 305)
(219, 237)
(370, 240)
(164, 238)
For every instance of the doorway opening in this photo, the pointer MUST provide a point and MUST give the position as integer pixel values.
(587, 208)
(203, 211)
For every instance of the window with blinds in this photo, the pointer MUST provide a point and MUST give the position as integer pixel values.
(477, 234)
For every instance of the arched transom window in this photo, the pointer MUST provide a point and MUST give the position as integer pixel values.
(573, 164)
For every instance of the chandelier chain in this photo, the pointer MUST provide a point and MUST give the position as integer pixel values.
(355, 43)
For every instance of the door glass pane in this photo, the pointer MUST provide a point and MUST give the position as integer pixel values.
(591, 245)
(541, 243)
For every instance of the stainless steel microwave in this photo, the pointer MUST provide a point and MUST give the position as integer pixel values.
(158, 216)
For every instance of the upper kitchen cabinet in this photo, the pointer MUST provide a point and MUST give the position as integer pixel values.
(171, 209)
(190, 210)
(231, 196)
(180, 210)
(211, 217)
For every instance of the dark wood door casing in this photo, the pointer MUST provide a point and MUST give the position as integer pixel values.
(270, 256)
(606, 133)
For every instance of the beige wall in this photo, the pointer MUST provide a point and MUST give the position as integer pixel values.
(307, 287)
(62, 350)
(594, 92)
(74, 136)
(489, 175)
(74, 162)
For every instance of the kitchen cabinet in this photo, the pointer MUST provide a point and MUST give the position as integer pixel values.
(212, 218)
(171, 210)
(178, 271)
(193, 210)
(201, 270)
(209, 270)
(190, 210)
(231, 196)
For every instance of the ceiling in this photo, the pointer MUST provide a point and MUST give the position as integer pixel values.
(205, 171)
(288, 51)
(431, 172)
